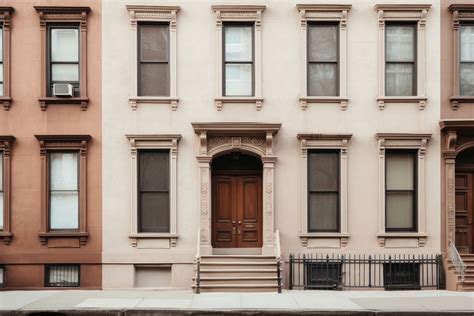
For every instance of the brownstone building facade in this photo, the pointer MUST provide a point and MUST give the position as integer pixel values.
(50, 134)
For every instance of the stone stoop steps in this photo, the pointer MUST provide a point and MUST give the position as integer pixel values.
(468, 283)
(237, 273)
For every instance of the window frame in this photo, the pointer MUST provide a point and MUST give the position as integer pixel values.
(224, 62)
(316, 151)
(63, 143)
(414, 88)
(50, 82)
(5, 23)
(63, 15)
(140, 191)
(461, 24)
(325, 142)
(337, 62)
(78, 171)
(414, 154)
(159, 14)
(47, 275)
(6, 144)
(140, 62)
(399, 13)
(153, 142)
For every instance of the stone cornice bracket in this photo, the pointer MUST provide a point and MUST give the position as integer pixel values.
(5, 20)
(323, 12)
(238, 12)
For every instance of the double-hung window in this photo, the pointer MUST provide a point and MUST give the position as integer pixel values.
(154, 191)
(1, 62)
(323, 59)
(64, 52)
(238, 59)
(63, 190)
(153, 59)
(400, 190)
(466, 59)
(400, 59)
(1, 192)
(323, 191)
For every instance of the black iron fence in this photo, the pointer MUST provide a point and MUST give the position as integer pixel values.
(390, 272)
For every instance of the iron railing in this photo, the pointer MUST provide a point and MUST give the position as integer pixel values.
(456, 259)
(341, 271)
(278, 260)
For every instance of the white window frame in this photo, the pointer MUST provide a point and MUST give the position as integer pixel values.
(148, 13)
(239, 13)
(139, 142)
(323, 13)
(403, 13)
(324, 141)
(417, 142)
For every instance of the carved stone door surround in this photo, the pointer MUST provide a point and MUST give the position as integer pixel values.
(219, 138)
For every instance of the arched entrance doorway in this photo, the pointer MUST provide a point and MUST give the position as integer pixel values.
(237, 204)
(464, 212)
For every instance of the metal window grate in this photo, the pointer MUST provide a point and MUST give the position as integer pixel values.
(64, 275)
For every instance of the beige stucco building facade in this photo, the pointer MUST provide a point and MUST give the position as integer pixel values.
(280, 123)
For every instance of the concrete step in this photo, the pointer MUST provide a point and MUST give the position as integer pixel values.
(239, 281)
(237, 258)
(238, 265)
(238, 272)
(238, 288)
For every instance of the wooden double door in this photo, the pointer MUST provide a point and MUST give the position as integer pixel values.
(237, 218)
(464, 212)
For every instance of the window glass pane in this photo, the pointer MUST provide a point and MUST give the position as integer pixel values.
(400, 171)
(1, 210)
(1, 171)
(1, 44)
(238, 80)
(467, 42)
(399, 80)
(400, 43)
(323, 209)
(154, 212)
(323, 171)
(322, 43)
(322, 80)
(65, 45)
(399, 210)
(154, 170)
(1, 88)
(466, 82)
(64, 169)
(238, 43)
(154, 80)
(154, 42)
(65, 72)
(64, 210)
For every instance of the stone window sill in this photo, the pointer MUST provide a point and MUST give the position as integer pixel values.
(457, 100)
(307, 237)
(257, 101)
(82, 101)
(402, 99)
(172, 238)
(6, 236)
(6, 102)
(45, 237)
(421, 237)
(342, 101)
(171, 101)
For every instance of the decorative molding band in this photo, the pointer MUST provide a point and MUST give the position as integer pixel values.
(238, 13)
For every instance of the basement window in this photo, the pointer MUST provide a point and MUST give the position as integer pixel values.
(323, 275)
(64, 275)
(152, 276)
(401, 276)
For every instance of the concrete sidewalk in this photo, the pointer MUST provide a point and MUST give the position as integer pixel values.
(185, 302)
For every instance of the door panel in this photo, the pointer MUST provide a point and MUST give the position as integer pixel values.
(464, 213)
(237, 211)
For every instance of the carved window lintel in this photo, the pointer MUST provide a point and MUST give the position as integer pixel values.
(51, 143)
(324, 141)
(63, 14)
(5, 20)
(6, 143)
(153, 141)
(403, 141)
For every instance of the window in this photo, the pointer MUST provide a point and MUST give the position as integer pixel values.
(323, 191)
(402, 54)
(6, 143)
(153, 52)
(152, 276)
(323, 274)
(2, 276)
(401, 276)
(1, 62)
(323, 59)
(153, 190)
(239, 55)
(238, 60)
(5, 56)
(400, 59)
(63, 191)
(62, 275)
(400, 190)
(154, 55)
(154, 195)
(1, 191)
(466, 60)
(63, 55)
(63, 188)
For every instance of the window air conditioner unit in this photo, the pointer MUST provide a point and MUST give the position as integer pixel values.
(62, 90)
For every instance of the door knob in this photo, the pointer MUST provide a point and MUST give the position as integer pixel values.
(240, 222)
(233, 222)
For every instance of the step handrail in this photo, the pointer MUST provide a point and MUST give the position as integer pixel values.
(198, 263)
(278, 259)
(456, 260)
